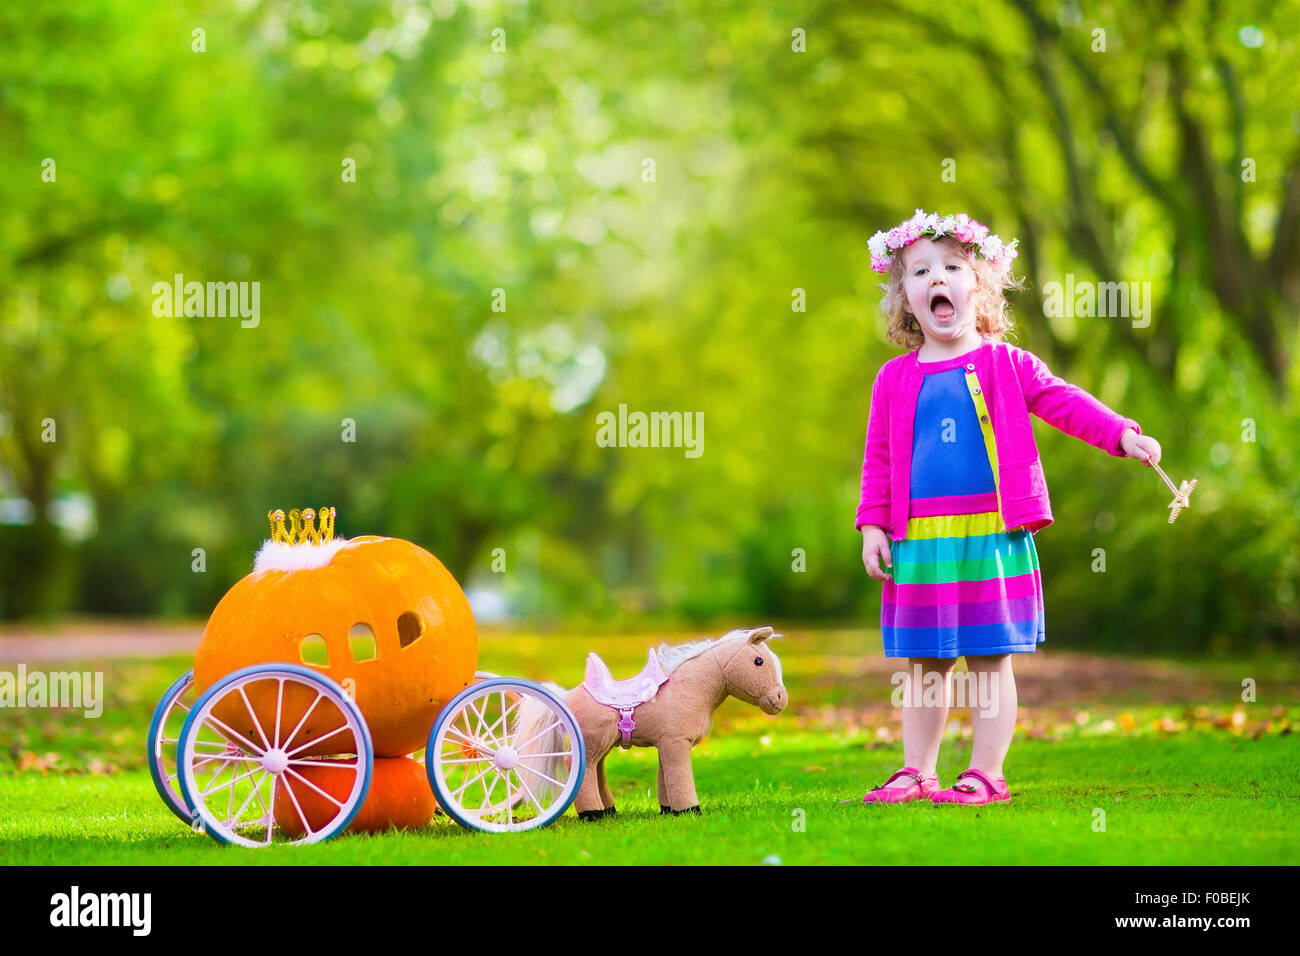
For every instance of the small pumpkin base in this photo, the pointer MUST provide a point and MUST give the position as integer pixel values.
(399, 798)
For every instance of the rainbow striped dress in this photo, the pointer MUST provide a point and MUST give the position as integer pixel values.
(963, 583)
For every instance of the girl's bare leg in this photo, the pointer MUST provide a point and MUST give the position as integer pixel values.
(993, 714)
(925, 712)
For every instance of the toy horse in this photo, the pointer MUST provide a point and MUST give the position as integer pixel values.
(668, 706)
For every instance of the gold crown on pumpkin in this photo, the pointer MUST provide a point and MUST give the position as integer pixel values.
(302, 529)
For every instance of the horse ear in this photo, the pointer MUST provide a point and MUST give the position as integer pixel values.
(760, 634)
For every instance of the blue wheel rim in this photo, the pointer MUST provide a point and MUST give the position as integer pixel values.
(183, 813)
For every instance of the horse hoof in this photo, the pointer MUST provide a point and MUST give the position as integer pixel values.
(611, 811)
(663, 809)
(694, 809)
(590, 814)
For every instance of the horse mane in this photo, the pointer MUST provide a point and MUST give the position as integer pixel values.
(673, 656)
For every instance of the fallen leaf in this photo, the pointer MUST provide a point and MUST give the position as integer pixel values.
(30, 761)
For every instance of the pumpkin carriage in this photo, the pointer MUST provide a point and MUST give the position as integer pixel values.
(321, 677)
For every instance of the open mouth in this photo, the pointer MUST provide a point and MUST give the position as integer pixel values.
(941, 307)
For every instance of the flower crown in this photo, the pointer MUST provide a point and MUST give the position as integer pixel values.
(966, 230)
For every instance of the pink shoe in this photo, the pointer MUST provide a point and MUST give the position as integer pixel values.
(920, 789)
(994, 791)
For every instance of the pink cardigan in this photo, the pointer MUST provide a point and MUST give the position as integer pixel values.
(1015, 383)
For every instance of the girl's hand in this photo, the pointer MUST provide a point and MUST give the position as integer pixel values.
(875, 551)
(1142, 447)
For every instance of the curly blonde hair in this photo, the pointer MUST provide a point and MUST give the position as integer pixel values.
(992, 314)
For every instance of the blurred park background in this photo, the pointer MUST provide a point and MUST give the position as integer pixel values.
(558, 208)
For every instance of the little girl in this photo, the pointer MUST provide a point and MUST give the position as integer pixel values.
(951, 474)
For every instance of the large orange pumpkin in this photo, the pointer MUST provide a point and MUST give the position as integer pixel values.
(399, 796)
(425, 641)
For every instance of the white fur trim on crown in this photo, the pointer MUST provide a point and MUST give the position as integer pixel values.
(278, 556)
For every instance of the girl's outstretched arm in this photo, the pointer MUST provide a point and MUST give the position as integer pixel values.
(1069, 407)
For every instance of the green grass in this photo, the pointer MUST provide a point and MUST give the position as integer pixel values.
(1181, 780)
(1180, 800)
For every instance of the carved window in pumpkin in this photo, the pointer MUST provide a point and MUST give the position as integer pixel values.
(313, 650)
(361, 639)
(409, 628)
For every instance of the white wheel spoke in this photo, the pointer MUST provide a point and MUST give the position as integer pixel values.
(544, 730)
(234, 733)
(542, 775)
(461, 789)
(505, 730)
(256, 723)
(270, 814)
(208, 758)
(234, 779)
(529, 791)
(312, 743)
(505, 714)
(482, 807)
(257, 792)
(215, 777)
(446, 760)
(279, 707)
(290, 739)
(240, 812)
(476, 744)
(230, 802)
(307, 762)
(483, 729)
(211, 757)
(327, 796)
(223, 745)
(464, 728)
(510, 807)
(302, 817)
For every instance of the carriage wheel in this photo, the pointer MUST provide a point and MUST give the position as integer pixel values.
(164, 732)
(418, 755)
(489, 773)
(292, 768)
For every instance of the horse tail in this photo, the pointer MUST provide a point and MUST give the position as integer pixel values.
(533, 718)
